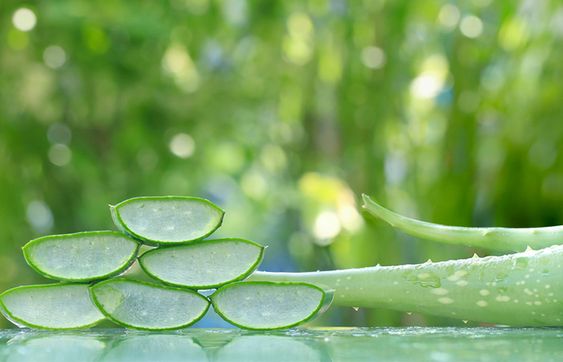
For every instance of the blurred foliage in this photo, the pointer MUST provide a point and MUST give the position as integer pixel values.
(283, 112)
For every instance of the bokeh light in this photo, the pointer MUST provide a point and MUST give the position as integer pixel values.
(54, 56)
(471, 26)
(24, 19)
(182, 145)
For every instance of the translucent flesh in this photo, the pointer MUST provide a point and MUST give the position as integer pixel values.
(86, 256)
(267, 306)
(144, 306)
(203, 264)
(169, 219)
(56, 306)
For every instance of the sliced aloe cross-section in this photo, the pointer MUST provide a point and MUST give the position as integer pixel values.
(269, 305)
(203, 265)
(167, 219)
(81, 256)
(147, 306)
(50, 306)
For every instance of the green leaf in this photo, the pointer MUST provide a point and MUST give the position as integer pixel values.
(82, 256)
(50, 306)
(497, 238)
(147, 306)
(203, 265)
(167, 219)
(268, 305)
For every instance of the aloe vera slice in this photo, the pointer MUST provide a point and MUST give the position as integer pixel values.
(167, 219)
(82, 256)
(203, 265)
(147, 306)
(269, 305)
(50, 306)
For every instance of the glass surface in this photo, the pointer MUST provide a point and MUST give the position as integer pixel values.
(326, 344)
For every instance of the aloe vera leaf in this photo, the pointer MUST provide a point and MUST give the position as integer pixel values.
(156, 347)
(167, 219)
(203, 265)
(147, 306)
(522, 289)
(50, 306)
(51, 348)
(498, 238)
(268, 305)
(79, 257)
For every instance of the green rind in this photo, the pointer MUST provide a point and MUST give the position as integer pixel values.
(498, 238)
(522, 289)
(114, 209)
(121, 269)
(116, 321)
(36, 326)
(321, 307)
(251, 269)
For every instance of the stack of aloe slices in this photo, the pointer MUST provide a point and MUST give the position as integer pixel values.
(88, 266)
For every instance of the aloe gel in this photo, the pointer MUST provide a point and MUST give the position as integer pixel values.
(267, 305)
(147, 306)
(203, 265)
(158, 220)
(50, 306)
(81, 257)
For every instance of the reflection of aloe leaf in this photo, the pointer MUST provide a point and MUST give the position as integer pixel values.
(269, 348)
(148, 306)
(5, 335)
(82, 256)
(50, 306)
(155, 347)
(53, 348)
(213, 339)
(267, 305)
(203, 265)
(444, 344)
(167, 219)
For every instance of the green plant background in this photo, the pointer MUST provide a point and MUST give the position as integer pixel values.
(282, 112)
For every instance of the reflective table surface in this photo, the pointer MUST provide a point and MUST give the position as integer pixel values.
(321, 344)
